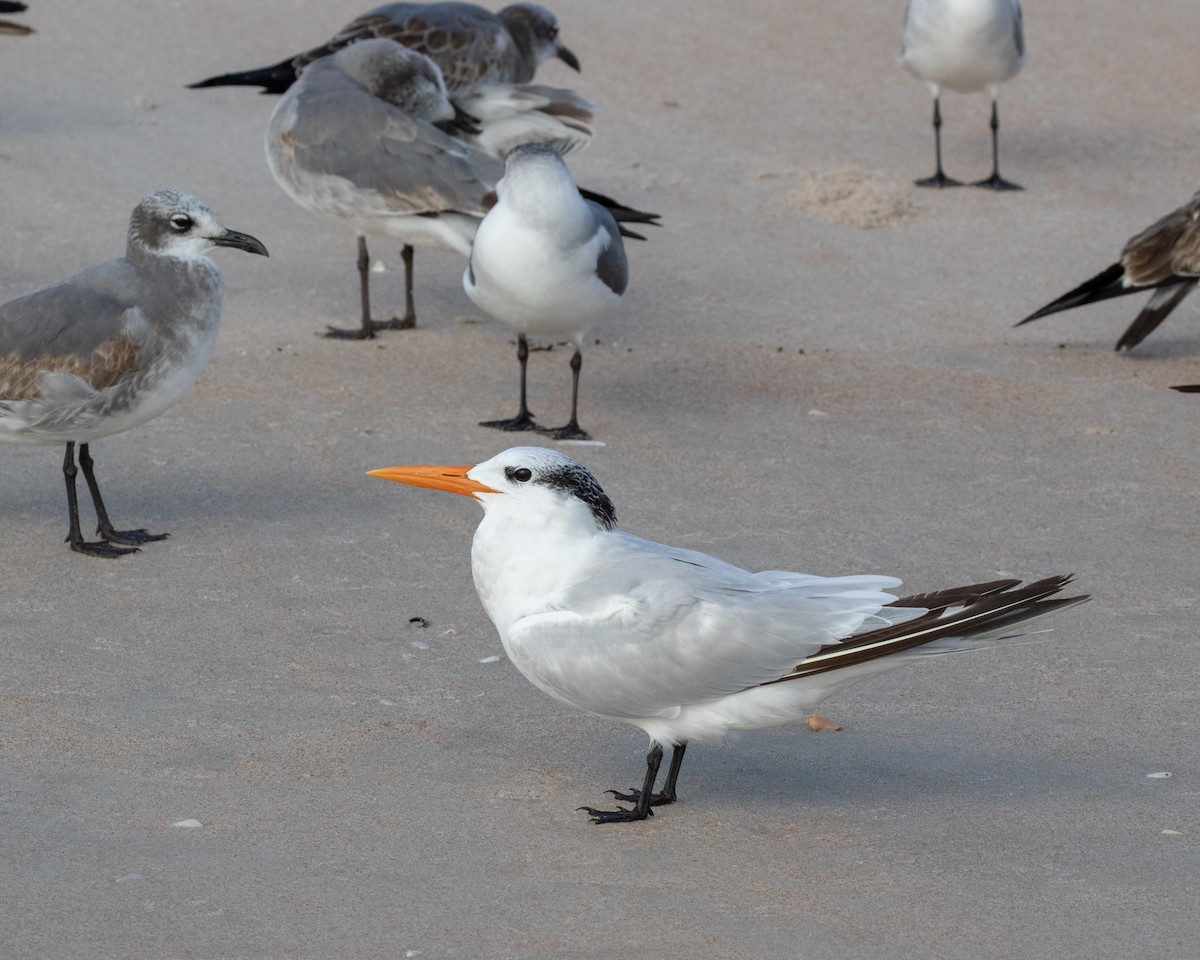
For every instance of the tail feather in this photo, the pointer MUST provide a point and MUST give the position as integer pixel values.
(982, 612)
(273, 79)
(1165, 300)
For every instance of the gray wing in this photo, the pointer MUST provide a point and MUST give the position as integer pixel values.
(338, 129)
(611, 266)
(469, 44)
(1018, 29)
(659, 627)
(86, 326)
(73, 317)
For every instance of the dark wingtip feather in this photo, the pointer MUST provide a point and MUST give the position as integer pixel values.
(273, 79)
(620, 212)
(1103, 286)
(1166, 298)
(998, 605)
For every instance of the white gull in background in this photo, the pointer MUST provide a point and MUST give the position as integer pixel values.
(116, 345)
(547, 262)
(679, 643)
(964, 46)
(1164, 258)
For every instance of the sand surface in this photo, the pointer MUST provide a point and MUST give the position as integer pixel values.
(815, 370)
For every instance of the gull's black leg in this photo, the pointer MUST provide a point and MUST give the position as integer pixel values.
(667, 794)
(366, 330)
(571, 430)
(995, 181)
(641, 809)
(524, 419)
(74, 536)
(939, 179)
(409, 320)
(128, 538)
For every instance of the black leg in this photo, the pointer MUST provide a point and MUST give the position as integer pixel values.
(409, 320)
(995, 181)
(524, 419)
(74, 536)
(571, 430)
(129, 538)
(667, 794)
(641, 809)
(366, 330)
(939, 179)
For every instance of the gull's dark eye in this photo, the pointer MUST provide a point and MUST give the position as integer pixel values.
(521, 474)
(181, 222)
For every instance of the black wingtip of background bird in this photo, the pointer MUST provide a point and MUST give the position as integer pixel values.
(273, 79)
(1103, 286)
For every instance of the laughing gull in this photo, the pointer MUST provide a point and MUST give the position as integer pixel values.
(8, 26)
(547, 262)
(363, 137)
(1165, 258)
(678, 643)
(470, 45)
(965, 46)
(115, 345)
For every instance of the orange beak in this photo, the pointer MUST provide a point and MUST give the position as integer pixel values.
(451, 479)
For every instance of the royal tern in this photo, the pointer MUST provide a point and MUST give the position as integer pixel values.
(965, 46)
(547, 262)
(674, 641)
(471, 45)
(115, 345)
(1165, 258)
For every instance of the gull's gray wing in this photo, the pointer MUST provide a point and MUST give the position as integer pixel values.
(611, 265)
(87, 326)
(331, 127)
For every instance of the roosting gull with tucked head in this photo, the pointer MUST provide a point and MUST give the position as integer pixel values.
(115, 345)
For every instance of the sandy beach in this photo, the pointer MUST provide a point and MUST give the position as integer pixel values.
(815, 369)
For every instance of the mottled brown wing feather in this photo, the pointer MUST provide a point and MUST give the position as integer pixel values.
(113, 360)
(1169, 247)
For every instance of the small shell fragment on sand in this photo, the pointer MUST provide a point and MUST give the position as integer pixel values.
(189, 824)
(491, 659)
(1162, 775)
(820, 724)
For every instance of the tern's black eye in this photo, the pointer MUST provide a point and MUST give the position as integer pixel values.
(520, 474)
(181, 222)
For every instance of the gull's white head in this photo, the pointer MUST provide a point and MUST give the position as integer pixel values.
(171, 223)
(536, 181)
(533, 481)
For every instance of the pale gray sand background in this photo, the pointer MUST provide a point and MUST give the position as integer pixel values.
(783, 389)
